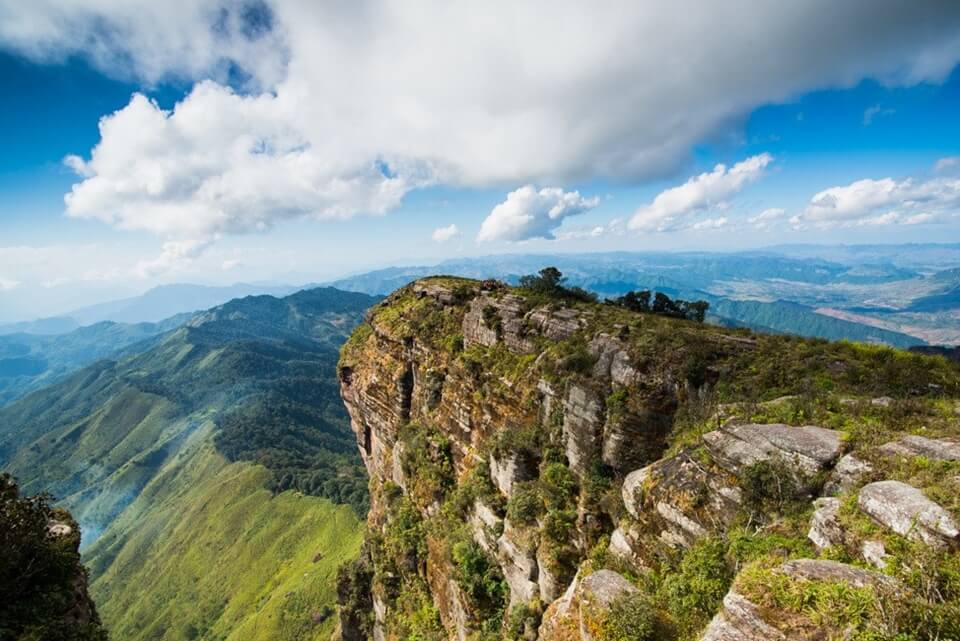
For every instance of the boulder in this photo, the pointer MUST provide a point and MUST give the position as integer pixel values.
(740, 619)
(825, 527)
(933, 449)
(874, 553)
(905, 510)
(583, 607)
(809, 448)
(847, 474)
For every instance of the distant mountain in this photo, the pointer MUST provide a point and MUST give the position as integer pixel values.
(43, 326)
(167, 300)
(214, 472)
(30, 361)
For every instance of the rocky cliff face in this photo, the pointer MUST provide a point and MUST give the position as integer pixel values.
(553, 469)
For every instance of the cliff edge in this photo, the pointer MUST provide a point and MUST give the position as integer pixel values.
(545, 467)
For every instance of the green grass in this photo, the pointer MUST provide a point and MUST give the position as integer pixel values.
(208, 551)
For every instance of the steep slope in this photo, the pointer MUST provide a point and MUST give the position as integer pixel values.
(43, 586)
(547, 468)
(187, 463)
(30, 361)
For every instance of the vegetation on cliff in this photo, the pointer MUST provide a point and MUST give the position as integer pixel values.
(507, 423)
(43, 586)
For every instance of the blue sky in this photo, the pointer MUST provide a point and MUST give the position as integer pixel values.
(250, 159)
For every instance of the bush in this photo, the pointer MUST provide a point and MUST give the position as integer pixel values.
(525, 504)
(695, 590)
(631, 618)
(478, 577)
(772, 486)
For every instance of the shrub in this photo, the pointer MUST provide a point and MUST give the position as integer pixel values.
(525, 504)
(631, 618)
(695, 590)
(477, 576)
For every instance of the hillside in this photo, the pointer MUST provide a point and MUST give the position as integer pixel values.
(234, 419)
(30, 361)
(547, 468)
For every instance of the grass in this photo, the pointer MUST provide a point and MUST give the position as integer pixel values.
(208, 551)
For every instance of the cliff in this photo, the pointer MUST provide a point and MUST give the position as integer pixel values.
(543, 467)
(43, 586)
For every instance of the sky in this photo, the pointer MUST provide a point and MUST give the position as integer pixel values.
(217, 141)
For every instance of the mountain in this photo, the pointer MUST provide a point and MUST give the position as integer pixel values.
(29, 361)
(43, 326)
(168, 300)
(749, 289)
(547, 468)
(213, 473)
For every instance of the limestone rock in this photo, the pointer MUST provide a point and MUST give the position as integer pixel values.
(632, 488)
(518, 562)
(933, 449)
(740, 620)
(847, 474)
(511, 469)
(582, 426)
(825, 529)
(905, 510)
(809, 448)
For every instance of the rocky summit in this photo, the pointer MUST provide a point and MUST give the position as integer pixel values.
(547, 467)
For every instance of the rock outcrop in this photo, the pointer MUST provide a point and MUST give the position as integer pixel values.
(527, 454)
(905, 510)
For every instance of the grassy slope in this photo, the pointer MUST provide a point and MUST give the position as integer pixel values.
(207, 551)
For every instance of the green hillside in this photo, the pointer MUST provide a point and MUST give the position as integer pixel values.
(31, 361)
(205, 470)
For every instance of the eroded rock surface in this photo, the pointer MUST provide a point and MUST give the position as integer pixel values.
(809, 448)
(907, 511)
(933, 449)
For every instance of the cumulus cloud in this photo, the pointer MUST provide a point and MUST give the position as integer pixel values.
(882, 202)
(175, 255)
(528, 213)
(348, 106)
(673, 208)
(767, 218)
(445, 234)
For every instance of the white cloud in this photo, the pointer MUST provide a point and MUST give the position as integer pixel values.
(947, 165)
(871, 113)
(710, 223)
(231, 263)
(767, 218)
(528, 213)
(7, 284)
(455, 93)
(672, 209)
(882, 202)
(445, 234)
(175, 256)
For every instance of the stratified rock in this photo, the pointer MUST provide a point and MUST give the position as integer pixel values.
(905, 510)
(512, 468)
(490, 319)
(809, 448)
(484, 524)
(825, 529)
(933, 449)
(584, 606)
(741, 619)
(582, 426)
(632, 490)
(558, 325)
(518, 561)
(849, 472)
